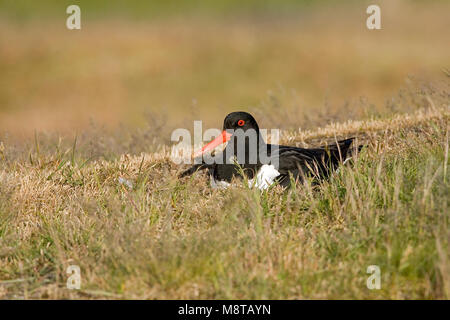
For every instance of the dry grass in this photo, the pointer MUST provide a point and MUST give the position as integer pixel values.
(166, 238)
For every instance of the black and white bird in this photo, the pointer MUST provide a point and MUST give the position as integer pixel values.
(280, 164)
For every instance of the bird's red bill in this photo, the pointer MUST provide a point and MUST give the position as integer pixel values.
(222, 138)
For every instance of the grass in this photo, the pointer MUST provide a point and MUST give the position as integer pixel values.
(86, 179)
(167, 238)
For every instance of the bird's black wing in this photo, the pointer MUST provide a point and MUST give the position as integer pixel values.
(317, 162)
(194, 168)
(209, 164)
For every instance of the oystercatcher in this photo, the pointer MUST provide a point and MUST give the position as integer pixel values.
(263, 164)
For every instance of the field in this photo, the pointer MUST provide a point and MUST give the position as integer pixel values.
(82, 112)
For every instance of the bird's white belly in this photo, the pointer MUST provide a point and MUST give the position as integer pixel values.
(264, 179)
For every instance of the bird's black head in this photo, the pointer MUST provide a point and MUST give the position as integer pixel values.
(235, 122)
(240, 120)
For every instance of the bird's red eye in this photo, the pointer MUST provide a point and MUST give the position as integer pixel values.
(241, 123)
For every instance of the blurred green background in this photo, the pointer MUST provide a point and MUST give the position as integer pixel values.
(134, 61)
(24, 9)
